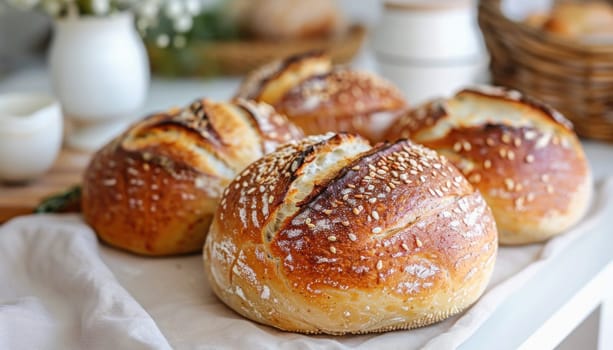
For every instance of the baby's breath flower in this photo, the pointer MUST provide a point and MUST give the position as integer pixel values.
(142, 25)
(174, 8)
(149, 9)
(183, 24)
(194, 7)
(167, 23)
(162, 40)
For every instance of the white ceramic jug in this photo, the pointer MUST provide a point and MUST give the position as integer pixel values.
(100, 74)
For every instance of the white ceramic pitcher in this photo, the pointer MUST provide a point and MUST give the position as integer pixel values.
(100, 73)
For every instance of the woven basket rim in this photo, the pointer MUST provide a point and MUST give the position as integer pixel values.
(572, 76)
(548, 38)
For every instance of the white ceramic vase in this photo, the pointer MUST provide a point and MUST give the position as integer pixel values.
(100, 74)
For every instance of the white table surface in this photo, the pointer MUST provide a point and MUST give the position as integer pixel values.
(538, 316)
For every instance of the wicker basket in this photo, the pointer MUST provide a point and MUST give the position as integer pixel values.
(240, 57)
(575, 78)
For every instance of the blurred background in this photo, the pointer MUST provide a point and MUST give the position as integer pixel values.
(427, 48)
(559, 51)
(25, 35)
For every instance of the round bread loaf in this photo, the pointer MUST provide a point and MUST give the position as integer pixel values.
(330, 235)
(285, 20)
(153, 190)
(522, 155)
(320, 98)
(589, 21)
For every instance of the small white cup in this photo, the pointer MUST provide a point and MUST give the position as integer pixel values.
(31, 130)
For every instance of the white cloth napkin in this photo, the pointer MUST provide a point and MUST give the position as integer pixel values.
(57, 292)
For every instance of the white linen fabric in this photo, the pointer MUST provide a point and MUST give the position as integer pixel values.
(57, 291)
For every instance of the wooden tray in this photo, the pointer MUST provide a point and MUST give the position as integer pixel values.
(18, 200)
(240, 57)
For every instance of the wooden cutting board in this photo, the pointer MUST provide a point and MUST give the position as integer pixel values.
(21, 199)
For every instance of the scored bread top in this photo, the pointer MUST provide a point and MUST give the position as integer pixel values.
(308, 84)
(154, 188)
(522, 154)
(286, 73)
(217, 139)
(479, 106)
(321, 98)
(206, 143)
(341, 93)
(332, 216)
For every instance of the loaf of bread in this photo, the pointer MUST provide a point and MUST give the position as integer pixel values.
(153, 190)
(590, 21)
(320, 98)
(521, 154)
(331, 235)
(289, 19)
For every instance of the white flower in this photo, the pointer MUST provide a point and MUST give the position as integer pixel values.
(182, 24)
(149, 14)
(194, 7)
(149, 9)
(174, 8)
(142, 24)
(162, 40)
(100, 7)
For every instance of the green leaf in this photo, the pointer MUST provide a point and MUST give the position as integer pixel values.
(67, 201)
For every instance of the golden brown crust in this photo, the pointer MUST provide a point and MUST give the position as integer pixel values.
(521, 154)
(289, 20)
(519, 100)
(577, 20)
(343, 100)
(285, 73)
(320, 99)
(383, 238)
(153, 190)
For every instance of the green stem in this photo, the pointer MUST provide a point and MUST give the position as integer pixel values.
(67, 201)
